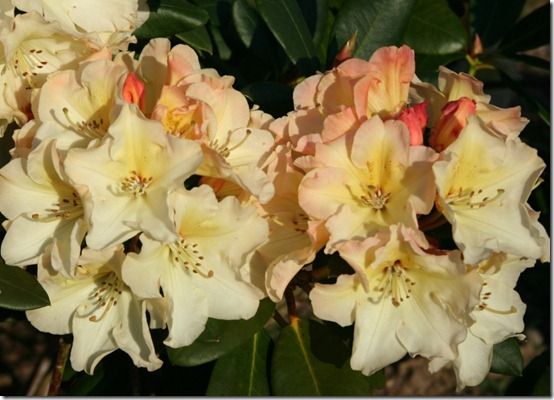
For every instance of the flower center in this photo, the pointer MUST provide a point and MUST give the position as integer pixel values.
(393, 282)
(375, 197)
(68, 207)
(469, 198)
(187, 255)
(104, 296)
(135, 184)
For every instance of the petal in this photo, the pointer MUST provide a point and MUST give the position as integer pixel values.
(336, 302)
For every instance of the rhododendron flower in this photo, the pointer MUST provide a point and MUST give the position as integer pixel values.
(113, 21)
(77, 106)
(498, 316)
(33, 49)
(98, 309)
(124, 182)
(401, 298)
(198, 104)
(199, 272)
(483, 184)
(365, 181)
(44, 211)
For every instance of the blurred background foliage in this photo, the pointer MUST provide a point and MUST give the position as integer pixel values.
(270, 46)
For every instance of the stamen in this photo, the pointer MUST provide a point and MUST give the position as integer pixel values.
(186, 255)
(135, 184)
(104, 297)
(468, 198)
(93, 129)
(376, 198)
(224, 148)
(66, 208)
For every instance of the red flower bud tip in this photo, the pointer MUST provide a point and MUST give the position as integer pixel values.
(133, 90)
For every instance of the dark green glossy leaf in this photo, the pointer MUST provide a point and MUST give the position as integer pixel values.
(198, 38)
(530, 32)
(427, 65)
(491, 19)
(168, 17)
(285, 20)
(535, 380)
(531, 60)
(19, 290)
(253, 32)
(539, 108)
(434, 29)
(273, 97)
(378, 23)
(220, 337)
(224, 52)
(242, 372)
(311, 359)
(506, 358)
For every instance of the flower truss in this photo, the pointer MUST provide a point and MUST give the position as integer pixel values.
(150, 194)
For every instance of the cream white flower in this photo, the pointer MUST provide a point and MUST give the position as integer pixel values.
(199, 272)
(498, 316)
(402, 299)
(112, 20)
(99, 309)
(367, 180)
(43, 210)
(78, 105)
(33, 49)
(483, 184)
(124, 182)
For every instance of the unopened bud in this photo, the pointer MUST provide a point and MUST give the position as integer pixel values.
(451, 122)
(133, 90)
(415, 118)
(347, 50)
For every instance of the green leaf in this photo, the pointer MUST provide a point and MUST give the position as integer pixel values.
(198, 38)
(224, 52)
(506, 358)
(285, 20)
(311, 359)
(539, 108)
(273, 97)
(530, 32)
(434, 29)
(535, 380)
(253, 32)
(378, 23)
(530, 60)
(169, 17)
(242, 372)
(19, 290)
(220, 337)
(427, 65)
(491, 19)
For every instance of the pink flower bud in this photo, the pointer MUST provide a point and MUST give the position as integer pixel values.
(415, 119)
(451, 122)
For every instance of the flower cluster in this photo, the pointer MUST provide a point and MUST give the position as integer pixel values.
(151, 195)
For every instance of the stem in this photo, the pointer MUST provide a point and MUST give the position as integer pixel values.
(61, 360)
(291, 302)
(279, 318)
